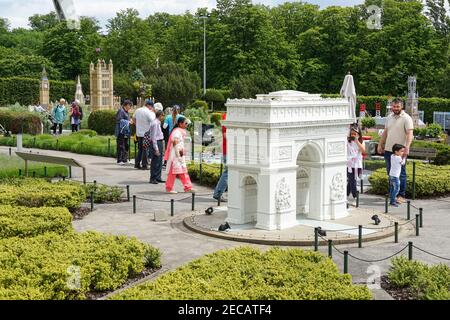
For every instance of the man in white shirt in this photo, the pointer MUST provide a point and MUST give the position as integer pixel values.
(143, 118)
(398, 130)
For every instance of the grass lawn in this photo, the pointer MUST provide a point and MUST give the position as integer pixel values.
(9, 168)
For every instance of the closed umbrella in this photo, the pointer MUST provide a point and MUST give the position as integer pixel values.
(348, 91)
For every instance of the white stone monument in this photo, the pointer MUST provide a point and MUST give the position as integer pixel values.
(286, 157)
(79, 92)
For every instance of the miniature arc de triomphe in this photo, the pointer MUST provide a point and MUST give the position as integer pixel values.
(286, 157)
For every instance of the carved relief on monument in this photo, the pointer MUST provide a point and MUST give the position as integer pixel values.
(283, 197)
(337, 187)
(336, 148)
(285, 153)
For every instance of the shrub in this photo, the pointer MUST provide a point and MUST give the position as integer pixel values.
(216, 118)
(373, 165)
(85, 132)
(425, 282)
(210, 173)
(103, 121)
(30, 222)
(30, 192)
(198, 104)
(368, 122)
(196, 113)
(104, 193)
(431, 180)
(15, 121)
(443, 151)
(45, 267)
(276, 274)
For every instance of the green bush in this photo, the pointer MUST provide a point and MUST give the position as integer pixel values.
(196, 114)
(103, 121)
(198, 104)
(104, 193)
(26, 90)
(431, 180)
(30, 222)
(368, 122)
(373, 165)
(276, 274)
(15, 121)
(85, 132)
(30, 192)
(443, 151)
(10, 165)
(216, 118)
(210, 173)
(45, 267)
(424, 282)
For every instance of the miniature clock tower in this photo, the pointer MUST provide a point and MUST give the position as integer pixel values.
(44, 90)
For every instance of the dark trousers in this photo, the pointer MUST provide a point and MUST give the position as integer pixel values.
(122, 148)
(74, 127)
(56, 125)
(156, 166)
(387, 158)
(141, 157)
(351, 183)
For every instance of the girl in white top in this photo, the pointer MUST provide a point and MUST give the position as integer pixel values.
(355, 150)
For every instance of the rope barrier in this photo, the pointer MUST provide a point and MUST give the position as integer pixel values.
(378, 260)
(431, 254)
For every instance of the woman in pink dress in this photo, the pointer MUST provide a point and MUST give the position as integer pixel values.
(176, 158)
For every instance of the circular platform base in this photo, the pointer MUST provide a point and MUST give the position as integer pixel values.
(341, 231)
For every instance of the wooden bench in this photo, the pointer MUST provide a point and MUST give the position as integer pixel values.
(50, 159)
(425, 153)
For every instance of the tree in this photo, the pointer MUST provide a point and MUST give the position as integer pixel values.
(173, 84)
(43, 22)
(437, 13)
(249, 85)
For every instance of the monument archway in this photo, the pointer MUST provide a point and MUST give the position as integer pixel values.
(293, 145)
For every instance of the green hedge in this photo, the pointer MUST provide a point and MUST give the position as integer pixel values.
(431, 180)
(104, 193)
(30, 222)
(443, 150)
(429, 105)
(247, 273)
(10, 165)
(104, 146)
(373, 165)
(424, 282)
(26, 90)
(103, 121)
(39, 268)
(29, 192)
(210, 173)
(15, 121)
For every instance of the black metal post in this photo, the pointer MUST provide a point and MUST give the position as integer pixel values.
(34, 174)
(57, 144)
(10, 152)
(417, 225)
(410, 250)
(316, 239)
(109, 146)
(360, 227)
(330, 248)
(134, 204)
(362, 186)
(414, 181)
(221, 165)
(396, 232)
(201, 167)
(357, 199)
(20, 172)
(70, 172)
(45, 171)
(92, 201)
(193, 201)
(421, 217)
(128, 193)
(386, 204)
(408, 210)
(64, 178)
(345, 261)
(193, 149)
(172, 203)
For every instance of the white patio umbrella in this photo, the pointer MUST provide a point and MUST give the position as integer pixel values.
(348, 91)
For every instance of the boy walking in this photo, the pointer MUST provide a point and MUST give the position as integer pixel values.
(397, 161)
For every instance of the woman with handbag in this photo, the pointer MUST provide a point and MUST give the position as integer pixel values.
(176, 158)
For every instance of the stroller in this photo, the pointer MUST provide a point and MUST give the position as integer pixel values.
(4, 132)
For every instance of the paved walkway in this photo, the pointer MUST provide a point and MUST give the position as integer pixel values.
(180, 246)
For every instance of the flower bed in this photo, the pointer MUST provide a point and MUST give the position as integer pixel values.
(249, 274)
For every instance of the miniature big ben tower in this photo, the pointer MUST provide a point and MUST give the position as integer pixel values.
(44, 90)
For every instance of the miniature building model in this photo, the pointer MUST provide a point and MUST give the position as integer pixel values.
(44, 90)
(412, 102)
(102, 84)
(286, 157)
(79, 92)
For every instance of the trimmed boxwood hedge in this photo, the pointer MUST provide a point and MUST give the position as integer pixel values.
(210, 173)
(103, 121)
(15, 121)
(30, 222)
(431, 180)
(247, 273)
(39, 268)
(10, 165)
(424, 282)
(29, 192)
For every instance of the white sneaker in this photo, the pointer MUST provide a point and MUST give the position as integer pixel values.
(173, 192)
